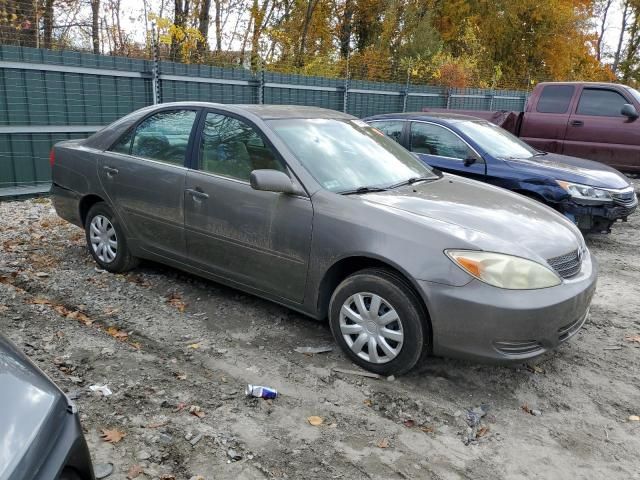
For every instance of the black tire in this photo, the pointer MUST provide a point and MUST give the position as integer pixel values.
(123, 260)
(397, 294)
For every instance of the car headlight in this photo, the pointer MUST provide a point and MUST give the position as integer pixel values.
(504, 271)
(585, 192)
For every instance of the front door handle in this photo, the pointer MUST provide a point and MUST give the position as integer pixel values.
(200, 195)
(110, 171)
(577, 123)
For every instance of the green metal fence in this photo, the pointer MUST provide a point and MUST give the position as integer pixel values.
(47, 96)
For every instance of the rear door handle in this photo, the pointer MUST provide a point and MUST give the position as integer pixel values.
(110, 170)
(197, 194)
(577, 123)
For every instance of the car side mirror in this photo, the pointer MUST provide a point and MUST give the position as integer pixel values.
(470, 161)
(630, 111)
(272, 181)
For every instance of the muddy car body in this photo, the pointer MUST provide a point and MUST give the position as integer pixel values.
(40, 431)
(318, 211)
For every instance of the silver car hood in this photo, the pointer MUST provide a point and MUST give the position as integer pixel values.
(32, 412)
(486, 217)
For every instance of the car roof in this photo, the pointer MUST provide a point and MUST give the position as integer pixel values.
(435, 116)
(268, 112)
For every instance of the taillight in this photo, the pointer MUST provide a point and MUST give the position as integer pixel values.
(52, 157)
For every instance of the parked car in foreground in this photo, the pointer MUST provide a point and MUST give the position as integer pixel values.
(598, 121)
(316, 210)
(40, 432)
(592, 195)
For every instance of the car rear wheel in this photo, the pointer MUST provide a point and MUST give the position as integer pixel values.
(379, 322)
(106, 240)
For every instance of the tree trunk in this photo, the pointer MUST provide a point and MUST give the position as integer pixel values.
(258, 14)
(180, 16)
(346, 28)
(95, 25)
(311, 6)
(203, 26)
(47, 24)
(623, 30)
(603, 26)
(218, 5)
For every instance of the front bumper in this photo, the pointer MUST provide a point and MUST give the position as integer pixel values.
(599, 217)
(481, 322)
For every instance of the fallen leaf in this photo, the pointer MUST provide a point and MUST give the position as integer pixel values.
(116, 333)
(181, 406)
(368, 402)
(112, 436)
(181, 376)
(175, 300)
(136, 345)
(110, 311)
(409, 423)
(383, 443)
(526, 408)
(315, 420)
(134, 472)
(427, 429)
(535, 369)
(3, 308)
(196, 410)
(632, 338)
(195, 346)
(482, 431)
(40, 301)
(634, 418)
(167, 476)
(81, 317)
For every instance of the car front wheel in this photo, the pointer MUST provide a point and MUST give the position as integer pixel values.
(106, 240)
(379, 322)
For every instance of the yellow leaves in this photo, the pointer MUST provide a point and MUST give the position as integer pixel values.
(117, 333)
(315, 420)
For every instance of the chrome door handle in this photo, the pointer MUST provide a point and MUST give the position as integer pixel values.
(110, 171)
(577, 123)
(197, 194)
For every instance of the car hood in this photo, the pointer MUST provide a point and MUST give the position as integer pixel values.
(33, 409)
(485, 217)
(572, 169)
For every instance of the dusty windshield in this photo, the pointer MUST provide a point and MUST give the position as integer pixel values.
(496, 141)
(346, 155)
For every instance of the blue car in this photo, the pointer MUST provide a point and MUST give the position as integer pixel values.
(593, 195)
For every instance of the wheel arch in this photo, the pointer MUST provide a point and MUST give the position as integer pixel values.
(85, 205)
(346, 266)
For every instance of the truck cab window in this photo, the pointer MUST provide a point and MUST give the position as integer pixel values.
(555, 99)
(600, 102)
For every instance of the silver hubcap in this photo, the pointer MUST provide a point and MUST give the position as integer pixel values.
(371, 327)
(103, 239)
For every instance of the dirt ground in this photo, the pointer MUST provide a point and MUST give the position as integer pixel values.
(170, 345)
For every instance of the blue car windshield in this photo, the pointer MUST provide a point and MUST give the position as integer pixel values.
(346, 155)
(494, 140)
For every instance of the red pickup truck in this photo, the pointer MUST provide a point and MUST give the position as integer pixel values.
(598, 121)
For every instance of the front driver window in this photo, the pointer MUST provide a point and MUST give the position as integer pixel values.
(164, 136)
(431, 139)
(232, 148)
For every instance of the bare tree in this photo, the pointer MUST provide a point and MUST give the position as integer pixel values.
(47, 24)
(203, 25)
(311, 6)
(623, 31)
(602, 13)
(95, 25)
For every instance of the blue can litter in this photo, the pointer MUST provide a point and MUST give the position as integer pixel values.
(260, 392)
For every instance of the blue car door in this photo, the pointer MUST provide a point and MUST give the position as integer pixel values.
(441, 148)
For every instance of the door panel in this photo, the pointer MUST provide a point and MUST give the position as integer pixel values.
(545, 127)
(599, 132)
(259, 239)
(144, 175)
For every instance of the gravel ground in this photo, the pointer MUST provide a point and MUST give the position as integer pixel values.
(177, 352)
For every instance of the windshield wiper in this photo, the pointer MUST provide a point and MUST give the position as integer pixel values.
(539, 154)
(411, 181)
(360, 190)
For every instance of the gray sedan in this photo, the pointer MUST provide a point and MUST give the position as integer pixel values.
(318, 211)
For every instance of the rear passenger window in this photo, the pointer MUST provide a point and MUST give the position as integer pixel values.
(233, 148)
(555, 99)
(164, 136)
(600, 102)
(392, 128)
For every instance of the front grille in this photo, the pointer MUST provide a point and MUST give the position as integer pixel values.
(626, 198)
(566, 265)
(525, 347)
(571, 329)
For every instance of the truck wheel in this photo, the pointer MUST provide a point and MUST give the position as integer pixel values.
(379, 322)
(106, 240)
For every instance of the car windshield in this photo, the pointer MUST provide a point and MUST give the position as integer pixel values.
(347, 155)
(494, 140)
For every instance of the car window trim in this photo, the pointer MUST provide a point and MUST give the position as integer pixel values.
(135, 157)
(135, 126)
(589, 87)
(480, 157)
